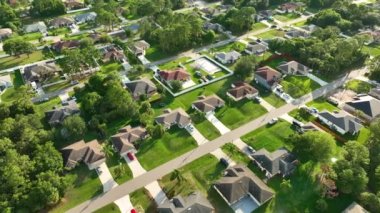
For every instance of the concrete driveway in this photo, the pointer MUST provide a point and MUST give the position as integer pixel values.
(218, 153)
(124, 204)
(217, 123)
(105, 177)
(198, 137)
(135, 166)
(266, 105)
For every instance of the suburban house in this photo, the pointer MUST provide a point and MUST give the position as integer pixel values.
(240, 186)
(85, 17)
(296, 34)
(112, 53)
(126, 138)
(118, 34)
(61, 45)
(256, 49)
(61, 22)
(227, 58)
(293, 67)
(368, 105)
(207, 104)
(213, 26)
(90, 153)
(267, 77)
(341, 122)
(264, 15)
(40, 72)
(375, 92)
(374, 35)
(35, 27)
(242, 90)
(57, 116)
(73, 4)
(5, 32)
(139, 47)
(143, 87)
(193, 203)
(174, 117)
(310, 28)
(355, 208)
(291, 7)
(5, 82)
(278, 162)
(178, 74)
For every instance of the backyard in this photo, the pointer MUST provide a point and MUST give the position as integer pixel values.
(298, 86)
(271, 137)
(358, 86)
(175, 142)
(373, 50)
(13, 61)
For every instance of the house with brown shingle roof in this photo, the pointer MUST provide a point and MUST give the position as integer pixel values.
(239, 184)
(61, 22)
(208, 104)
(242, 90)
(57, 116)
(40, 72)
(139, 47)
(61, 45)
(143, 87)
(174, 117)
(73, 4)
(90, 153)
(126, 138)
(267, 77)
(112, 53)
(177, 74)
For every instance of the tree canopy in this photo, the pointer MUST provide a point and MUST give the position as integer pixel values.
(47, 8)
(18, 46)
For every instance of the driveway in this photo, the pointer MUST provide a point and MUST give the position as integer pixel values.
(106, 177)
(124, 204)
(266, 105)
(135, 166)
(287, 118)
(218, 153)
(217, 123)
(198, 137)
(243, 147)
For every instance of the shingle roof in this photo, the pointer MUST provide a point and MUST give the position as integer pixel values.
(177, 116)
(61, 21)
(368, 105)
(233, 55)
(342, 120)
(34, 72)
(90, 152)
(354, 208)
(208, 104)
(57, 116)
(242, 89)
(35, 27)
(293, 66)
(179, 74)
(268, 74)
(275, 162)
(194, 203)
(85, 17)
(141, 87)
(256, 48)
(58, 46)
(239, 181)
(123, 141)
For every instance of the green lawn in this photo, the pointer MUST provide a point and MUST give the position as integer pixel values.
(300, 24)
(271, 137)
(116, 161)
(110, 208)
(298, 86)
(109, 67)
(258, 26)
(239, 113)
(269, 96)
(358, 86)
(59, 31)
(321, 104)
(271, 34)
(286, 17)
(56, 87)
(41, 108)
(199, 175)
(173, 64)
(237, 46)
(155, 54)
(11, 93)
(373, 50)
(302, 116)
(154, 152)
(206, 128)
(13, 61)
(235, 154)
(31, 36)
(142, 201)
(85, 185)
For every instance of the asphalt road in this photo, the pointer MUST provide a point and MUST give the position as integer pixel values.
(157, 173)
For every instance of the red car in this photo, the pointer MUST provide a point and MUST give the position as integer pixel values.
(130, 156)
(133, 210)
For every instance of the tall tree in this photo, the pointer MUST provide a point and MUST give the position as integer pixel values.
(47, 8)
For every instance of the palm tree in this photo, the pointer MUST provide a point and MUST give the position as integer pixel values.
(107, 149)
(177, 175)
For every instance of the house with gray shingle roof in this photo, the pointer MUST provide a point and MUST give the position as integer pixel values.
(90, 153)
(341, 122)
(256, 49)
(143, 87)
(57, 116)
(369, 106)
(227, 58)
(40, 72)
(375, 92)
(293, 67)
(208, 104)
(194, 203)
(85, 17)
(174, 117)
(35, 27)
(239, 183)
(61, 22)
(126, 138)
(277, 162)
(297, 34)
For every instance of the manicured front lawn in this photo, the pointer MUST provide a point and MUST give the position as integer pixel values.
(142, 201)
(85, 185)
(270, 137)
(57, 87)
(258, 26)
(110, 208)
(109, 67)
(11, 93)
(298, 86)
(13, 61)
(269, 96)
(373, 50)
(235, 154)
(300, 24)
(321, 104)
(206, 128)
(271, 34)
(359, 86)
(286, 17)
(239, 113)
(199, 175)
(155, 54)
(237, 46)
(175, 142)
(173, 64)
(115, 162)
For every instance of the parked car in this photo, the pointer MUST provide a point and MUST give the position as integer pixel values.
(250, 149)
(297, 124)
(130, 156)
(209, 77)
(224, 161)
(198, 74)
(273, 26)
(332, 101)
(258, 99)
(133, 211)
(273, 121)
(74, 82)
(98, 171)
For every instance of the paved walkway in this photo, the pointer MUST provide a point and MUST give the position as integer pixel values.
(198, 137)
